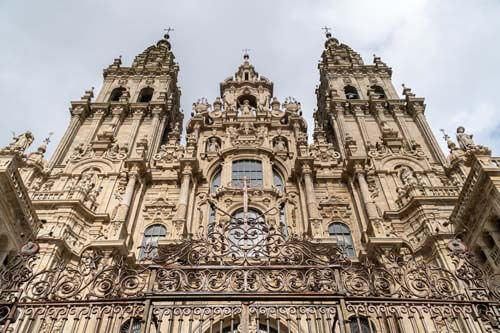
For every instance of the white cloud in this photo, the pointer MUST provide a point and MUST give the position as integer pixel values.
(445, 50)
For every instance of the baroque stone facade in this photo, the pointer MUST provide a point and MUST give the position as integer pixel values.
(247, 226)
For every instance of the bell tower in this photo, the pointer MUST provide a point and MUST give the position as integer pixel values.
(88, 195)
(393, 164)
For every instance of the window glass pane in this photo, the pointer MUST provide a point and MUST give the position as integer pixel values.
(284, 229)
(215, 182)
(151, 236)
(247, 239)
(278, 181)
(344, 238)
(251, 169)
(211, 220)
(363, 326)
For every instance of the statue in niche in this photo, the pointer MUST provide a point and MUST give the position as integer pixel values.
(213, 145)
(280, 145)
(465, 140)
(87, 182)
(21, 142)
(246, 109)
(407, 176)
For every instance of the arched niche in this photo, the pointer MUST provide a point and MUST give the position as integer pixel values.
(252, 100)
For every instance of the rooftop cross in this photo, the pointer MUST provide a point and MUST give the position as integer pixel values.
(327, 31)
(167, 35)
(245, 53)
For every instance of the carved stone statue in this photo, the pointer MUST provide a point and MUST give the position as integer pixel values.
(246, 110)
(279, 145)
(87, 182)
(213, 145)
(21, 142)
(464, 140)
(407, 176)
(229, 99)
(262, 99)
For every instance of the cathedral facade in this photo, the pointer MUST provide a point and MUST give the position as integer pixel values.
(246, 226)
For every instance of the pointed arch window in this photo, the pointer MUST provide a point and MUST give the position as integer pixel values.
(146, 95)
(152, 234)
(344, 238)
(116, 94)
(351, 92)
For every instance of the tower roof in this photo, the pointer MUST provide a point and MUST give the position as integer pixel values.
(339, 54)
(158, 55)
(246, 75)
(155, 59)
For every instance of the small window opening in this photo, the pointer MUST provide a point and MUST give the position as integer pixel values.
(146, 95)
(116, 94)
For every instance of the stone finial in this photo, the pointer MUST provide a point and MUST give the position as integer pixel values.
(88, 95)
(407, 91)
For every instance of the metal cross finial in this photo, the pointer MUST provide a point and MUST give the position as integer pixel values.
(327, 31)
(47, 139)
(445, 135)
(167, 35)
(245, 52)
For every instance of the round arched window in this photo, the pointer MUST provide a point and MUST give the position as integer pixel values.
(247, 234)
(151, 236)
(344, 238)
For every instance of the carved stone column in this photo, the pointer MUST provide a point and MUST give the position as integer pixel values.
(312, 206)
(123, 209)
(137, 116)
(180, 218)
(129, 190)
(371, 209)
(155, 135)
(370, 206)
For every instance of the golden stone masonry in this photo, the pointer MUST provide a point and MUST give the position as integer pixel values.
(248, 226)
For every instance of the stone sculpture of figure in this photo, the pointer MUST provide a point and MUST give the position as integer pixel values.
(464, 140)
(21, 142)
(87, 183)
(279, 145)
(407, 177)
(213, 145)
(262, 99)
(229, 99)
(246, 110)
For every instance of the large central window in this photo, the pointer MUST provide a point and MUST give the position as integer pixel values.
(248, 240)
(251, 169)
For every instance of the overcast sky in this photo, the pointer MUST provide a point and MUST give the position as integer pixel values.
(446, 51)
